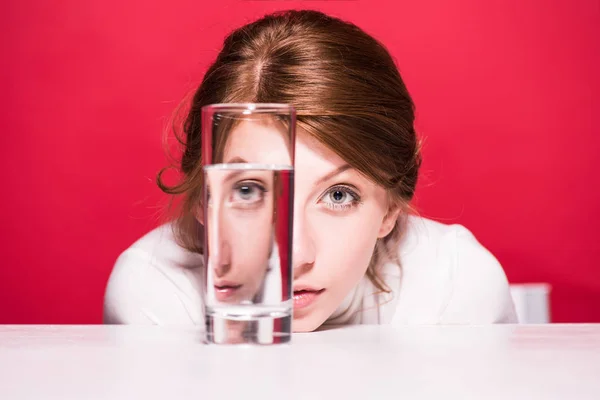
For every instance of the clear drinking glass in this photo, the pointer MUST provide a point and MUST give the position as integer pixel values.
(248, 172)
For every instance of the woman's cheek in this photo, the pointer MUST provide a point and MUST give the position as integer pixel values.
(346, 247)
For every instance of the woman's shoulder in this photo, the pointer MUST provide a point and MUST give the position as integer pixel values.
(450, 276)
(154, 281)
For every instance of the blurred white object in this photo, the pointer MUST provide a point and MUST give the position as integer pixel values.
(532, 302)
(435, 362)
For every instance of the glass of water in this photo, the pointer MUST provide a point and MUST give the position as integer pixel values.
(248, 181)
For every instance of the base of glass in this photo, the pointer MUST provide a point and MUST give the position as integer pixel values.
(258, 331)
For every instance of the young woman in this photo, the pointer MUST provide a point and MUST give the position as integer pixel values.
(358, 252)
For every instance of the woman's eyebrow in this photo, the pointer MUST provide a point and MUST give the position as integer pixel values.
(234, 174)
(237, 160)
(333, 173)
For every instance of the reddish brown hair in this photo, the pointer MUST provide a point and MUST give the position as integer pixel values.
(347, 92)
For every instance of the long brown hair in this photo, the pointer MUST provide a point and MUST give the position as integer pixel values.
(347, 92)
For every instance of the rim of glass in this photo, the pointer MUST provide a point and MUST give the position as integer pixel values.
(252, 107)
(248, 166)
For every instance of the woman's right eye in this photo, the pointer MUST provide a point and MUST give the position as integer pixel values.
(247, 194)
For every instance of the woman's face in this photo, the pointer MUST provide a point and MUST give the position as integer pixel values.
(240, 230)
(338, 216)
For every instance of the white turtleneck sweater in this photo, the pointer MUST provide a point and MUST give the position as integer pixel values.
(447, 277)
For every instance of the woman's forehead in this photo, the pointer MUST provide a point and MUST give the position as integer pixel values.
(266, 144)
(258, 141)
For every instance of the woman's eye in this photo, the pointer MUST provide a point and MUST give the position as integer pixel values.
(247, 193)
(340, 197)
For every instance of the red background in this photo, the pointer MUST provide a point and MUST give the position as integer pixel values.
(508, 97)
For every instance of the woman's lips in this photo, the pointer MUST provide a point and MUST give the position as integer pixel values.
(226, 292)
(305, 297)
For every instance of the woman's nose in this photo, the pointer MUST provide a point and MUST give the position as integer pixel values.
(219, 248)
(222, 260)
(303, 248)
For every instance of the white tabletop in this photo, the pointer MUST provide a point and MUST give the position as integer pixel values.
(366, 362)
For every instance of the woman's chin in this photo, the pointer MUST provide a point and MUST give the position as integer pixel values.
(306, 323)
